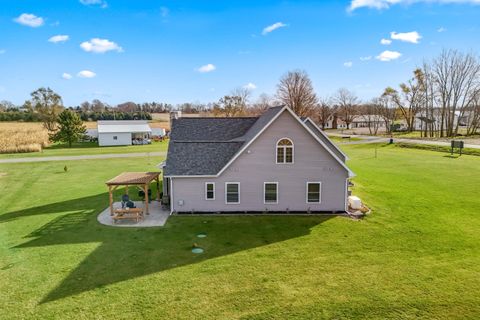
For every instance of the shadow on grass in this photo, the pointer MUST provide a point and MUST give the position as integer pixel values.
(127, 253)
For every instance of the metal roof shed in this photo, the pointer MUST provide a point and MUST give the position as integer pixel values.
(121, 132)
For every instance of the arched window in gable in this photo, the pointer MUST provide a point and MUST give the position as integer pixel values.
(284, 151)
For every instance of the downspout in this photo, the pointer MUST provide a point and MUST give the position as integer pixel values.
(171, 196)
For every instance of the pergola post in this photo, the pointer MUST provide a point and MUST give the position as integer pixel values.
(146, 198)
(158, 188)
(110, 198)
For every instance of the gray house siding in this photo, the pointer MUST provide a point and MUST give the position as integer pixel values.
(257, 165)
(328, 142)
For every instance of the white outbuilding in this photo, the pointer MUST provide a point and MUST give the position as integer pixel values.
(122, 132)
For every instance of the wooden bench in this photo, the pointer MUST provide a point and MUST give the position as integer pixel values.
(131, 213)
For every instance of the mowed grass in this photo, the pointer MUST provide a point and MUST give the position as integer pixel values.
(89, 148)
(416, 256)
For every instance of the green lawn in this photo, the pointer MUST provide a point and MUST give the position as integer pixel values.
(416, 256)
(89, 148)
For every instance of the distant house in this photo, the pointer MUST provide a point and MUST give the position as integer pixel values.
(366, 121)
(273, 163)
(122, 132)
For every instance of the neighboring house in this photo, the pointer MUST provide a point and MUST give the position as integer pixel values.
(273, 163)
(122, 132)
(335, 122)
(366, 121)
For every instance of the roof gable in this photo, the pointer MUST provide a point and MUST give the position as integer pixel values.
(208, 151)
(322, 136)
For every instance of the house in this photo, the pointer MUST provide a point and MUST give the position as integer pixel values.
(368, 120)
(122, 132)
(276, 162)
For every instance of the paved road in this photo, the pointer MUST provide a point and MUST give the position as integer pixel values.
(84, 157)
(373, 139)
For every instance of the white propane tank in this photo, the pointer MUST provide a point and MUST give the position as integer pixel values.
(354, 202)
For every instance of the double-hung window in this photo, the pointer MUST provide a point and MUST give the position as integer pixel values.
(232, 192)
(314, 190)
(209, 191)
(270, 192)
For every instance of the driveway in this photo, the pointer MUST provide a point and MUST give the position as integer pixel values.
(374, 139)
(85, 157)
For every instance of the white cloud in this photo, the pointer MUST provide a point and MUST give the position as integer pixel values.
(250, 86)
(207, 68)
(102, 3)
(97, 45)
(385, 4)
(366, 58)
(388, 55)
(59, 38)
(30, 20)
(86, 74)
(411, 37)
(348, 64)
(164, 11)
(385, 42)
(441, 29)
(273, 27)
(66, 76)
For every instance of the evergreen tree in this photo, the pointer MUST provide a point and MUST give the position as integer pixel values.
(70, 128)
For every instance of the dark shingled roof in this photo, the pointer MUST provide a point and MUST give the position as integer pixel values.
(203, 146)
(210, 129)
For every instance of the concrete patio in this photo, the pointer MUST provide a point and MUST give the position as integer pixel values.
(157, 217)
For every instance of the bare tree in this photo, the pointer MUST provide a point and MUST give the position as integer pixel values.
(386, 111)
(98, 106)
(296, 91)
(473, 119)
(244, 94)
(347, 103)
(410, 99)
(323, 112)
(229, 106)
(49, 105)
(263, 102)
(457, 77)
(370, 113)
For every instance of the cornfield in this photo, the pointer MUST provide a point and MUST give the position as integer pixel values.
(17, 137)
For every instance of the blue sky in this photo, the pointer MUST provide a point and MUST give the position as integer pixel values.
(142, 51)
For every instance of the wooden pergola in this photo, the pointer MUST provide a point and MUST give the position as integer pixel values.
(141, 180)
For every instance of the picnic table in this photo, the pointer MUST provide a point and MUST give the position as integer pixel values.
(128, 213)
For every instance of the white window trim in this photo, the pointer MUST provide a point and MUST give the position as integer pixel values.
(264, 192)
(227, 183)
(284, 148)
(320, 191)
(206, 191)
